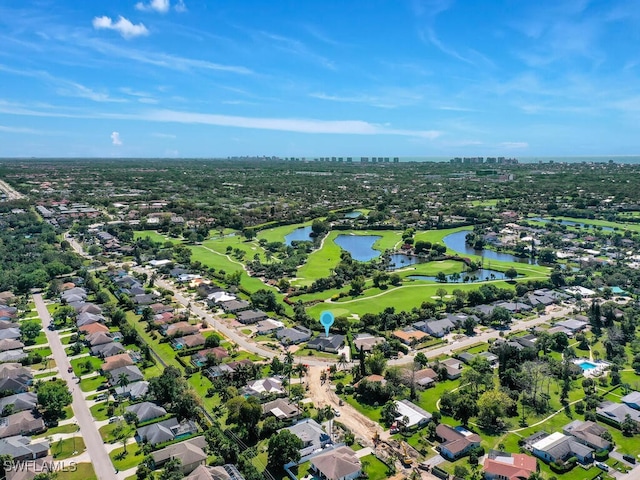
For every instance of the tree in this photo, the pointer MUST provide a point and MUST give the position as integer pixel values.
(492, 405)
(30, 329)
(53, 396)
(284, 447)
(172, 470)
(511, 273)
(389, 412)
(123, 380)
(628, 426)
(460, 471)
(376, 363)
(421, 359)
(357, 286)
(395, 279)
(318, 227)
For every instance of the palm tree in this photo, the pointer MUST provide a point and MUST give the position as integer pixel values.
(342, 361)
(123, 380)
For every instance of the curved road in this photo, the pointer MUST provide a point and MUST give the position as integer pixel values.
(95, 447)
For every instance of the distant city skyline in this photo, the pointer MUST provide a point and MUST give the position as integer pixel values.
(430, 78)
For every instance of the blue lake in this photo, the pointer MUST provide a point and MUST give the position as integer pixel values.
(481, 274)
(353, 215)
(400, 260)
(359, 246)
(570, 223)
(299, 234)
(456, 241)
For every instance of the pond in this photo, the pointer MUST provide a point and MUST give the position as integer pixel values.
(359, 246)
(401, 260)
(353, 215)
(456, 241)
(299, 234)
(479, 275)
(571, 223)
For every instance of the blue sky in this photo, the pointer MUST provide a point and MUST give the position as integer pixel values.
(202, 78)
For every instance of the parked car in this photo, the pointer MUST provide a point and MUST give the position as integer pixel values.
(70, 369)
(115, 419)
(602, 466)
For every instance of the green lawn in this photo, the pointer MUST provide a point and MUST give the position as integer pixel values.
(83, 471)
(99, 411)
(78, 365)
(277, 234)
(68, 428)
(106, 431)
(62, 449)
(367, 410)
(320, 262)
(153, 236)
(92, 383)
(123, 461)
(375, 468)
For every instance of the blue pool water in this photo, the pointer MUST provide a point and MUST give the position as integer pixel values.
(587, 365)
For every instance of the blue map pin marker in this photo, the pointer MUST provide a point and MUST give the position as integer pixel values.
(326, 319)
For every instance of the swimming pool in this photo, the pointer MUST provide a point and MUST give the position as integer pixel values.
(587, 365)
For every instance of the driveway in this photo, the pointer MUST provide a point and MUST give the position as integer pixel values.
(95, 448)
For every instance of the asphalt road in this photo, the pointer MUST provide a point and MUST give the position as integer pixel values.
(95, 447)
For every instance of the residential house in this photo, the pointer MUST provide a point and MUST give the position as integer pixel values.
(559, 447)
(76, 294)
(409, 335)
(268, 326)
(132, 373)
(13, 356)
(160, 308)
(116, 361)
(436, 328)
(248, 317)
(264, 386)
(588, 433)
(234, 306)
(527, 341)
(632, 400)
(27, 422)
(573, 324)
(146, 411)
(366, 342)
(425, 377)
(293, 336)
(4, 324)
(179, 329)
(144, 300)
(453, 367)
(339, 463)
(416, 417)
(226, 369)
(509, 466)
(133, 391)
(14, 378)
(222, 472)
(88, 307)
(219, 296)
(456, 443)
(93, 328)
(281, 409)
(200, 359)
(615, 413)
(87, 318)
(18, 402)
(165, 431)
(331, 344)
(190, 453)
(99, 338)
(107, 350)
(312, 435)
(20, 448)
(10, 333)
(10, 344)
(189, 341)
(372, 379)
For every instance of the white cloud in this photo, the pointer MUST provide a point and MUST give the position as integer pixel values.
(161, 6)
(115, 139)
(514, 145)
(180, 7)
(123, 26)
